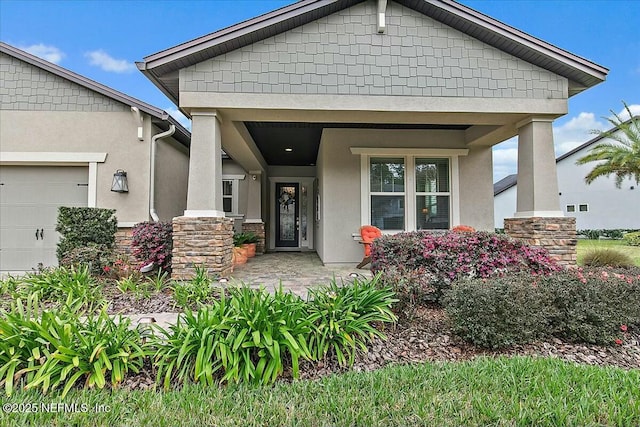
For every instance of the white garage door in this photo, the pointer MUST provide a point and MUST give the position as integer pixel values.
(29, 201)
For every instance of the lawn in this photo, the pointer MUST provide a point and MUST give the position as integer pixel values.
(585, 246)
(485, 391)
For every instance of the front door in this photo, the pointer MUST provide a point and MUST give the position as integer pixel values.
(287, 217)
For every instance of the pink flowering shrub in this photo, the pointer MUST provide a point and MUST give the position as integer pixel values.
(584, 306)
(153, 242)
(426, 264)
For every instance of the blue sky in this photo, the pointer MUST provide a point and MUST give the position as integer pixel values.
(102, 40)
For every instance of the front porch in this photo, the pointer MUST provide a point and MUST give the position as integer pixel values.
(296, 271)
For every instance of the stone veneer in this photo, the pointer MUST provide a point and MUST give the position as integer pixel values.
(557, 235)
(256, 228)
(202, 241)
(124, 237)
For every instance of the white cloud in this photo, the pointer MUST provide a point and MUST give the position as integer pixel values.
(576, 131)
(181, 118)
(48, 53)
(103, 60)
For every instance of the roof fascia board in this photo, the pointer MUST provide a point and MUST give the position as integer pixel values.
(525, 39)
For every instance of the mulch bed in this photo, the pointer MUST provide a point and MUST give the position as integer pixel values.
(427, 337)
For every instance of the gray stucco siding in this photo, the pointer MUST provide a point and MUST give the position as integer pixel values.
(24, 87)
(342, 54)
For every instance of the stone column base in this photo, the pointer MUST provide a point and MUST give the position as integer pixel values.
(256, 228)
(557, 235)
(124, 237)
(201, 242)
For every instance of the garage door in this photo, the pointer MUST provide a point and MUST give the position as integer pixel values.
(29, 201)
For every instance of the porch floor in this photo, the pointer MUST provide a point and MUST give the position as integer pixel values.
(297, 271)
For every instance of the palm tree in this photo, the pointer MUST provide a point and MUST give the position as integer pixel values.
(621, 159)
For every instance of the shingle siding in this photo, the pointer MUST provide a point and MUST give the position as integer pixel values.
(28, 88)
(343, 54)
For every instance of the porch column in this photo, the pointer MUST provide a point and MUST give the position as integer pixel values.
(204, 194)
(537, 177)
(539, 220)
(254, 222)
(203, 237)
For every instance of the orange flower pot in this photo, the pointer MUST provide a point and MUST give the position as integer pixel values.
(250, 248)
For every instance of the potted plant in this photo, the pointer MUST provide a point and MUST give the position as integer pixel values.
(240, 254)
(250, 243)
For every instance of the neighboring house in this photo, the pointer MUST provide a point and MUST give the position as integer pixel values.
(599, 205)
(351, 112)
(62, 138)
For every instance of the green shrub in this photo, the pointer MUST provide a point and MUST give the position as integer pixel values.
(419, 266)
(97, 258)
(606, 257)
(343, 317)
(590, 234)
(193, 292)
(54, 349)
(81, 226)
(497, 312)
(249, 336)
(632, 239)
(153, 242)
(73, 288)
(578, 306)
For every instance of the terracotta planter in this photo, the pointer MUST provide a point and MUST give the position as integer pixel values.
(239, 256)
(251, 249)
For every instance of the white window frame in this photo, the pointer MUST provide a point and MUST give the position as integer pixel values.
(410, 155)
(388, 193)
(235, 184)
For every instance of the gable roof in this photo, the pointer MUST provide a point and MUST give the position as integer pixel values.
(161, 117)
(504, 184)
(511, 180)
(162, 67)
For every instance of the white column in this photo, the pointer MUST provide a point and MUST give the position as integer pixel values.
(254, 198)
(537, 176)
(204, 195)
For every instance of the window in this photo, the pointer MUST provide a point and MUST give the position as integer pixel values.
(432, 193)
(230, 188)
(386, 189)
(571, 208)
(227, 195)
(583, 208)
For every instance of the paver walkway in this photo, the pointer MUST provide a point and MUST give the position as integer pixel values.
(297, 271)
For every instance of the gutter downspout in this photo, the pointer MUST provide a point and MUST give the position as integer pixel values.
(152, 173)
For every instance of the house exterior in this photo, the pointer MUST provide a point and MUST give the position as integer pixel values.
(350, 112)
(62, 138)
(599, 205)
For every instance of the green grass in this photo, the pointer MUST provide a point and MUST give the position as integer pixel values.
(497, 392)
(585, 246)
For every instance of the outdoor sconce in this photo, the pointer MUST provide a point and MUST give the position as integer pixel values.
(119, 184)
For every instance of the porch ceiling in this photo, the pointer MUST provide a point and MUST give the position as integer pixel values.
(303, 139)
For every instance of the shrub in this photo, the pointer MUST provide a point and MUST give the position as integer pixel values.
(153, 242)
(53, 349)
(632, 239)
(80, 227)
(579, 306)
(497, 312)
(343, 317)
(430, 262)
(590, 234)
(606, 257)
(248, 337)
(193, 292)
(97, 258)
(73, 288)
